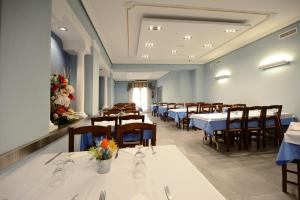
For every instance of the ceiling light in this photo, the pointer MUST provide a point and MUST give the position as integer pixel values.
(149, 44)
(145, 56)
(230, 30)
(187, 37)
(174, 51)
(191, 56)
(273, 64)
(207, 45)
(63, 28)
(154, 28)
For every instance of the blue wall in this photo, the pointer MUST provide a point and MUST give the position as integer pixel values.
(121, 93)
(253, 86)
(178, 86)
(60, 60)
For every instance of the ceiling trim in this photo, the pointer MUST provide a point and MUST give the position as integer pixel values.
(94, 29)
(131, 5)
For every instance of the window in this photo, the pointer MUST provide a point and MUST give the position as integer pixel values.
(140, 97)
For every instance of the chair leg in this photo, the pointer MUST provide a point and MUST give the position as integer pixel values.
(264, 138)
(284, 178)
(228, 141)
(257, 140)
(298, 177)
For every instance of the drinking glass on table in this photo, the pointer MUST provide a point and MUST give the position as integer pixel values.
(139, 165)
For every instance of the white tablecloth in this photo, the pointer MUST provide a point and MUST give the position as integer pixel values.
(167, 167)
(112, 123)
(292, 135)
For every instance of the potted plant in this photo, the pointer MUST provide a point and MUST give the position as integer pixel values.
(103, 153)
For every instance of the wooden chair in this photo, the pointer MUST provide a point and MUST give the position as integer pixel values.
(137, 129)
(238, 130)
(238, 105)
(254, 125)
(270, 125)
(106, 118)
(96, 131)
(133, 117)
(133, 112)
(110, 113)
(191, 108)
(217, 107)
(205, 108)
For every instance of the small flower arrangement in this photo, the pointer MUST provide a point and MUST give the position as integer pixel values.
(105, 149)
(61, 95)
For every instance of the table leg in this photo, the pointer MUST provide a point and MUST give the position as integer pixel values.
(298, 177)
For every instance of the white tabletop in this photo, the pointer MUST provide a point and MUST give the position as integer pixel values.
(112, 123)
(167, 167)
(183, 109)
(292, 135)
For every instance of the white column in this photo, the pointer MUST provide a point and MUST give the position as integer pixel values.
(80, 85)
(105, 93)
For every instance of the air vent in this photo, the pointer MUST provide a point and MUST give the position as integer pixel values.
(288, 33)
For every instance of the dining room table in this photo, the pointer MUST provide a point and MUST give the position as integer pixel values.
(162, 110)
(167, 168)
(211, 122)
(179, 113)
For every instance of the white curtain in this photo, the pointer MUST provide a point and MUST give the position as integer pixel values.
(141, 96)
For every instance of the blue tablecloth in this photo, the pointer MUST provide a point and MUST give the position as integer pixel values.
(162, 110)
(154, 108)
(177, 116)
(210, 126)
(86, 140)
(287, 153)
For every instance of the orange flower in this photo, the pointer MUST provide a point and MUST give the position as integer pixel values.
(104, 144)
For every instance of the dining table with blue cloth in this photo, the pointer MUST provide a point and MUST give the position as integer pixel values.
(288, 152)
(154, 108)
(178, 114)
(162, 110)
(212, 122)
(87, 140)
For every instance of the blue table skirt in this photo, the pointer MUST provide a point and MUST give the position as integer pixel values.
(86, 140)
(162, 110)
(287, 153)
(177, 116)
(210, 127)
(153, 108)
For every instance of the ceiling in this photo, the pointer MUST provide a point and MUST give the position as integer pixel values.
(133, 75)
(123, 27)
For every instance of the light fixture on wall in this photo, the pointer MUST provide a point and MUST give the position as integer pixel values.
(274, 64)
(62, 28)
(225, 74)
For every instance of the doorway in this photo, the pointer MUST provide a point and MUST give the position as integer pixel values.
(140, 97)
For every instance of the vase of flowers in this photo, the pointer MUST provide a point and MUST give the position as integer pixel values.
(61, 94)
(103, 153)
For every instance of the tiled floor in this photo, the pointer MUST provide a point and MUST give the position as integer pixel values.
(238, 175)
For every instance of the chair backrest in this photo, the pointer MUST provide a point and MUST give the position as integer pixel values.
(238, 122)
(179, 105)
(129, 117)
(111, 112)
(278, 126)
(257, 118)
(238, 105)
(205, 108)
(135, 128)
(162, 104)
(171, 106)
(191, 109)
(274, 109)
(96, 131)
(133, 112)
(217, 107)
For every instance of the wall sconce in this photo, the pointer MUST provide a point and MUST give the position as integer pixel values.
(274, 64)
(224, 74)
(220, 77)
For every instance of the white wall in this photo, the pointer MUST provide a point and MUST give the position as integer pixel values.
(24, 71)
(250, 85)
(177, 86)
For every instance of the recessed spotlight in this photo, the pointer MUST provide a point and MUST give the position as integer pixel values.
(62, 28)
(145, 56)
(149, 44)
(207, 45)
(154, 28)
(230, 30)
(191, 56)
(187, 37)
(174, 51)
